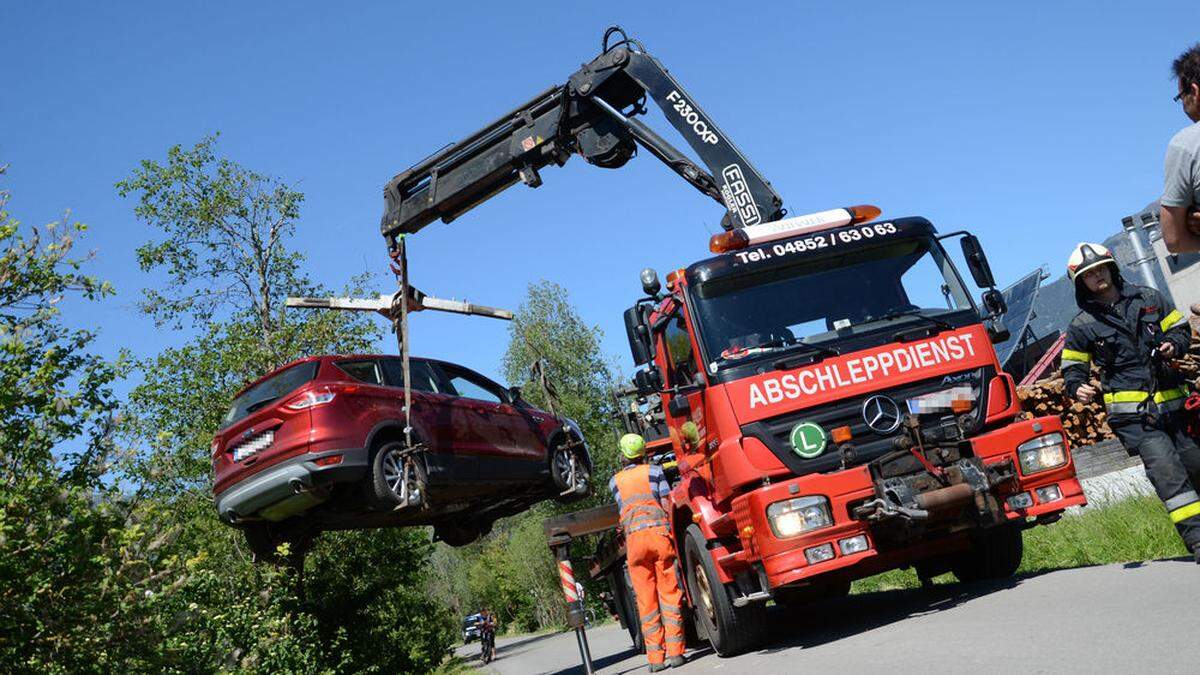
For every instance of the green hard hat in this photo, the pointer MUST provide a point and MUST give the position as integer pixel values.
(633, 446)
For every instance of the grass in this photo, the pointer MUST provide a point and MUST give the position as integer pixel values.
(453, 666)
(1130, 530)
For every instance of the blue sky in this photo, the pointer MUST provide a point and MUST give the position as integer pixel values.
(1033, 125)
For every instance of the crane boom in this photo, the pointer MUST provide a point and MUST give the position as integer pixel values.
(595, 114)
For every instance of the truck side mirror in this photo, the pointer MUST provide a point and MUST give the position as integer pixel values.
(647, 382)
(977, 262)
(993, 302)
(635, 330)
(679, 406)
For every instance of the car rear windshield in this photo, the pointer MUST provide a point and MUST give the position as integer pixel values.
(262, 394)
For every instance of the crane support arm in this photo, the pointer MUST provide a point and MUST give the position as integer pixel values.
(595, 114)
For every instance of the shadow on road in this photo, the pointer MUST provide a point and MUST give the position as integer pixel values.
(832, 620)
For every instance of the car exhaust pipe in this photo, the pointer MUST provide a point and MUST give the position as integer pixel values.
(945, 498)
(299, 487)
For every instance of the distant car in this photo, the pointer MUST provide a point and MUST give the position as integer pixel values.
(471, 626)
(319, 444)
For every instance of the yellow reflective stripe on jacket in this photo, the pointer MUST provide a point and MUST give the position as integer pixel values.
(1126, 396)
(1077, 357)
(1184, 512)
(1171, 320)
(1169, 395)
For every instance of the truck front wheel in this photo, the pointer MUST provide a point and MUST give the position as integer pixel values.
(730, 630)
(994, 554)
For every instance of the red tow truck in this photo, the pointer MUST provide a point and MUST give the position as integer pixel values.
(830, 398)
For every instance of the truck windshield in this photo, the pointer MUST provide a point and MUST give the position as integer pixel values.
(819, 301)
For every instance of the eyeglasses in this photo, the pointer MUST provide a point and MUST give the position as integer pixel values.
(1182, 92)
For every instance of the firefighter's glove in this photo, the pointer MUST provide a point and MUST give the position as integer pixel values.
(1086, 392)
(1166, 350)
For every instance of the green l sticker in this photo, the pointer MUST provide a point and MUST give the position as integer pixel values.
(808, 439)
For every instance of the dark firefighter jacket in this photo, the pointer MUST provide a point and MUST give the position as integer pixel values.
(1119, 339)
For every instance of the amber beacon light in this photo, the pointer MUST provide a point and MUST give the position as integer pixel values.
(742, 237)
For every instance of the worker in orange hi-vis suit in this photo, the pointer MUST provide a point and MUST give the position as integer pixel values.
(638, 487)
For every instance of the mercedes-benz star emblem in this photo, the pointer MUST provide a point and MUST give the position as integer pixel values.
(881, 414)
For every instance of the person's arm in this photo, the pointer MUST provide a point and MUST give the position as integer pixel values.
(1077, 364)
(1180, 171)
(659, 484)
(1177, 332)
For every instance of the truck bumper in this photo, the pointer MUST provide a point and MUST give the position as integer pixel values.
(1033, 499)
(290, 487)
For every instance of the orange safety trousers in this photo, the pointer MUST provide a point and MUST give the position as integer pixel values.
(651, 560)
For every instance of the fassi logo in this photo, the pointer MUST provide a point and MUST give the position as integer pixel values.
(830, 376)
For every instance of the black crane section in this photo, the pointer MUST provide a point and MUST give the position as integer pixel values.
(595, 114)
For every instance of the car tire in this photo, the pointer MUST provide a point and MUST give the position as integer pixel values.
(388, 466)
(730, 630)
(994, 554)
(562, 456)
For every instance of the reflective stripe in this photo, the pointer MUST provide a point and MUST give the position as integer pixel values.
(1076, 357)
(672, 621)
(674, 639)
(651, 617)
(1126, 396)
(1182, 499)
(1123, 408)
(1171, 320)
(647, 526)
(668, 607)
(1169, 394)
(1184, 512)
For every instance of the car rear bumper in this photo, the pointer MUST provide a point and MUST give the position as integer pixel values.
(289, 487)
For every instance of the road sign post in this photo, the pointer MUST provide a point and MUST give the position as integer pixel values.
(575, 614)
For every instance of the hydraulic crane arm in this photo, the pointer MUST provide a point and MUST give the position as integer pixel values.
(595, 115)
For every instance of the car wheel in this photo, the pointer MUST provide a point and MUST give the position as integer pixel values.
(994, 554)
(569, 472)
(397, 478)
(730, 630)
(455, 534)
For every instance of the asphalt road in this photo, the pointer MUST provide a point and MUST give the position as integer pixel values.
(1137, 617)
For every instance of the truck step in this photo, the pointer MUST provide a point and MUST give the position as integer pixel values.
(743, 600)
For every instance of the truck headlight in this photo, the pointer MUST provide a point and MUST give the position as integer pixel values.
(793, 517)
(1042, 453)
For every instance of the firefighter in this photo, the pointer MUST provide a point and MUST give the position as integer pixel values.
(649, 552)
(1131, 332)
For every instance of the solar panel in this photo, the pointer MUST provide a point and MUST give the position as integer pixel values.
(1020, 298)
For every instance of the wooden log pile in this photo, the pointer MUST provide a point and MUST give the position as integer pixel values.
(1086, 423)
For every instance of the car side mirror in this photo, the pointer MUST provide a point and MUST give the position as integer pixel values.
(977, 262)
(515, 393)
(648, 381)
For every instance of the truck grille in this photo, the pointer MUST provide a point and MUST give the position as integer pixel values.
(775, 433)
(253, 446)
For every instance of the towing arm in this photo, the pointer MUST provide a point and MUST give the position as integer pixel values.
(595, 115)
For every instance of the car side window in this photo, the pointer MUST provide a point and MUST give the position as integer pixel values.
(679, 351)
(420, 375)
(469, 385)
(363, 371)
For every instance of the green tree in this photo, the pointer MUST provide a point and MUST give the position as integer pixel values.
(224, 244)
(548, 328)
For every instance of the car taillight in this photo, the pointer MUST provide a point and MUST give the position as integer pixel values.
(309, 399)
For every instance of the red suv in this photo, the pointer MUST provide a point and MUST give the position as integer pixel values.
(319, 444)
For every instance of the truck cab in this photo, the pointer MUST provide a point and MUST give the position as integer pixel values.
(836, 409)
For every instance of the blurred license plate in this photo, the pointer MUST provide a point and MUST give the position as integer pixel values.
(254, 446)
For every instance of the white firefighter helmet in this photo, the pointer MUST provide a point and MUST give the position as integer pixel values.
(1087, 256)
